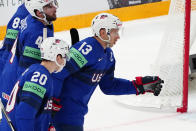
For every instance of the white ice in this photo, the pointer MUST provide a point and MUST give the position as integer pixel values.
(134, 53)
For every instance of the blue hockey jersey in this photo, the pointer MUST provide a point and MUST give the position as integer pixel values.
(13, 27)
(27, 52)
(90, 65)
(30, 38)
(29, 106)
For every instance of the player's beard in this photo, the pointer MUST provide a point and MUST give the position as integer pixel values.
(50, 18)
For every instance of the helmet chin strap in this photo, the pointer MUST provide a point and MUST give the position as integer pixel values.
(60, 66)
(45, 20)
(107, 41)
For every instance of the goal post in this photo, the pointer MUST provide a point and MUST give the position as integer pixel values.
(186, 57)
(172, 62)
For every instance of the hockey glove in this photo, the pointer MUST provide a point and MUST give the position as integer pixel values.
(148, 84)
(55, 106)
(51, 128)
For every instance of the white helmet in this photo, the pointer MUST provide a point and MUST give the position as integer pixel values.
(51, 47)
(105, 21)
(32, 5)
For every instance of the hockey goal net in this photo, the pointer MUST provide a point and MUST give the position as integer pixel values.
(172, 63)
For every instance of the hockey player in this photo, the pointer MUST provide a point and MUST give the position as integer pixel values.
(13, 27)
(42, 13)
(92, 63)
(32, 101)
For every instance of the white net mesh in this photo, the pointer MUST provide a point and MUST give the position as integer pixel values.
(169, 63)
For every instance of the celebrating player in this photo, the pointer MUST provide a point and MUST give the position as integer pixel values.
(42, 14)
(92, 63)
(31, 100)
(13, 27)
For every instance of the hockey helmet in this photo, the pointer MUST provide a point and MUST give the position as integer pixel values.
(51, 47)
(105, 21)
(32, 5)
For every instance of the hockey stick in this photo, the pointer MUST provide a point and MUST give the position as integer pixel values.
(45, 32)
(74, 36)
(6, 116)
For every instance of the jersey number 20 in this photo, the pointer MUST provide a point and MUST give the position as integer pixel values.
(37, 77)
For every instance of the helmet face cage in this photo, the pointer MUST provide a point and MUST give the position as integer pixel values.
(105, 21)
(51, 47)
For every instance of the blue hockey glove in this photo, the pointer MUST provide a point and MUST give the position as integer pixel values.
(148, 84)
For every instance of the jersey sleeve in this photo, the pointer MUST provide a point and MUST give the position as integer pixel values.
(13, 27)
(25, 123)
(30, 46)
(28, 49)
(31, 98)
(115, 86)
(82, 54)
(30, 40)
(11, 33)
